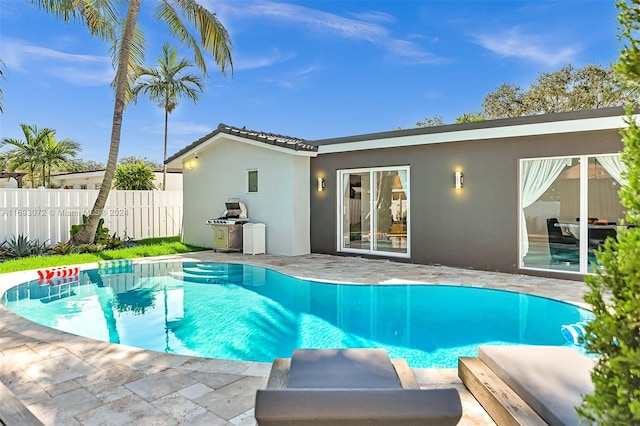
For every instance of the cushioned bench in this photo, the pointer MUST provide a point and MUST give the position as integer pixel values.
(528, 384)
(350, 387)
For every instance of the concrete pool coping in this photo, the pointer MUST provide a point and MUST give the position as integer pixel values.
(69, 380)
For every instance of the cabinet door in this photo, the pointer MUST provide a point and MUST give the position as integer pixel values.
(220, 237)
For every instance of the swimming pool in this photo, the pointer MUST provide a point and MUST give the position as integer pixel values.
(242, 312)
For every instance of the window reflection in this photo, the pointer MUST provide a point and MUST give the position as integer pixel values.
(551, 196)
(375, 210)
(606, 212)
(551, 199)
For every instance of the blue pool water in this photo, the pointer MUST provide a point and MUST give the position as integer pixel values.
(241, 312)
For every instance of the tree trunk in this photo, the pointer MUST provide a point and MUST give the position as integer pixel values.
(87, 234)
(164, 158)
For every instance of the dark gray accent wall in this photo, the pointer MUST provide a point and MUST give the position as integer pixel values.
(476, 227)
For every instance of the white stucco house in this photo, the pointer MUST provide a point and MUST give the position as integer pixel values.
(268, 172)
(93, 179)
(511, 195)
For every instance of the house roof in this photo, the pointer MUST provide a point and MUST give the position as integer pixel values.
(555, 123)
(268, 138)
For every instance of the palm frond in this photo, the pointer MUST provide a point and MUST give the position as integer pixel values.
(99, 16)
(136, 58)
(168, 13)
(213, 36)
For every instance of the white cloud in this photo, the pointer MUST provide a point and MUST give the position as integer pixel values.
(77, 69)
(375, 16)
(411, 52)
(295, 78)
(532, 47)
(188, 128)
(312, 19)
(329, 24)
(261, 61)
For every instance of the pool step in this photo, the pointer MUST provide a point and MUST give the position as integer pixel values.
(200, 278)
(210, 275)
(208, 272)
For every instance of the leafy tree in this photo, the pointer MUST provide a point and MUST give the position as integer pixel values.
(564, 90)
(507, 101)
(165, 83)
(80, 165)
(56, 154)
(105, 19)
(592, 87)
(133, 159)
(614, 290)
(431, 122)
(27, 153)
(134, 176)
(470, 117)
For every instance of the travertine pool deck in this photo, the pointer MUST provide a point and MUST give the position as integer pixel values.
(69, 380)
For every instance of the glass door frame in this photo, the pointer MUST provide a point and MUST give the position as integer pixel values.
(584, 210)
(340, 202)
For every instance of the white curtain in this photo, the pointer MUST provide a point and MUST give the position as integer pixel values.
(537, 177)
(614, 166)
(402, 174)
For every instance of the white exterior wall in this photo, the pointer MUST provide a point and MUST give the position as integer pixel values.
(281, 203)
(93, 180)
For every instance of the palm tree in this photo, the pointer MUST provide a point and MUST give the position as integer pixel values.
(56, 154)
(164, 85)
(101, 18)
(27, 153)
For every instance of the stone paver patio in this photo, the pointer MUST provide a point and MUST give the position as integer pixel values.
(69, 380)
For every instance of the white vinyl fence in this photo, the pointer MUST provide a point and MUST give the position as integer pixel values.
(47, 214)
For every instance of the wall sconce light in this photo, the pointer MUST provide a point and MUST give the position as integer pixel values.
(459, 182)
(191, 164)
(320, 184)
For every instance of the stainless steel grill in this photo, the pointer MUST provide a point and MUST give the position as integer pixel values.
(227, 229)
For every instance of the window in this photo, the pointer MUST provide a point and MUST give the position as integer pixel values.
(252, 180)
(374, 211)
(569, 206)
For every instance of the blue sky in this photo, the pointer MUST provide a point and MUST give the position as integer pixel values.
(309, 69)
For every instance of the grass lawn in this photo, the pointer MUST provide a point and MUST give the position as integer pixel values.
(147, 248)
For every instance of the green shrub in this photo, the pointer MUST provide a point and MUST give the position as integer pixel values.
(62, 248)
(134, 176)
(23, 247)
(614, 294)
(102, 233)
(89, 248)
(114, 242)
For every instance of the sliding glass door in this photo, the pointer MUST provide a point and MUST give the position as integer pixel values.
(569, 206)
(374, 211)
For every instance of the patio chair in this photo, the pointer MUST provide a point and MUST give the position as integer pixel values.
(597, 236)
(562, 248)
(351, 387)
